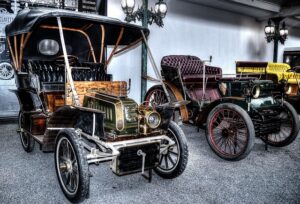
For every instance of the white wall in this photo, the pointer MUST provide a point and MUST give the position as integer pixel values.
(192, 29)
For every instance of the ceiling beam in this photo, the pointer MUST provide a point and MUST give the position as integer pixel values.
(259, 4)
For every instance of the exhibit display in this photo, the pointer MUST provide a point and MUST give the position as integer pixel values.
(9, 106)
(70, 105)
(234, 110)
(280, 73)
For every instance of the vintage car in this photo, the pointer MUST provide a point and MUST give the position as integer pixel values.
(234, 110)
(280, 73)
(70, 105)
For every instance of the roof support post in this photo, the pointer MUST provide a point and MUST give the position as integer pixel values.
(75, 99)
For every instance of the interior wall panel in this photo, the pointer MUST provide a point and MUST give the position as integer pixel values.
(193, 29)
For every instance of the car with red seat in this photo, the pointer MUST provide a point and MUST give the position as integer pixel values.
(234, 110)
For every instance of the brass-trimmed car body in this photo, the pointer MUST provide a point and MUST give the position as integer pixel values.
(69, 105)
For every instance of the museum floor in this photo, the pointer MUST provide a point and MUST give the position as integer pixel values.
(263, 177)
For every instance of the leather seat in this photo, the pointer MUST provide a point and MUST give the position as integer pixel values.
(191, 67)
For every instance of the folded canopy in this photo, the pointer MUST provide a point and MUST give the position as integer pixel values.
(85, 35)
(28, 20)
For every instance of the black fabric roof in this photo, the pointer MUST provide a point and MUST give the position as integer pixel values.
(28, 20)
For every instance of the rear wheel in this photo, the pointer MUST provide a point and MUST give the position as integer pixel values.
(26, 140)
(230, 132)
(156, 96)
(71, 166)
(173, 161)
(289, 127)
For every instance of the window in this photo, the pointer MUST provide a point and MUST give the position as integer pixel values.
(48, 47)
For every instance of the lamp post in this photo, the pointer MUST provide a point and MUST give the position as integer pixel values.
(274, 33)
(147, 17)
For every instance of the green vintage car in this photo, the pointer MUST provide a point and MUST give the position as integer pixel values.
(233, 110)
(69, 105)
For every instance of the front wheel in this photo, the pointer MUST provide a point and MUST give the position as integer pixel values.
(230, 131)
(288, 130)
(26, 140)
(173, 161)
(71, 166)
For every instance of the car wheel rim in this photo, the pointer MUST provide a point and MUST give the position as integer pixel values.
(169, 159)
(285, 130)
(156, 97)
(228, 132)
(67, 166)
(6, 71)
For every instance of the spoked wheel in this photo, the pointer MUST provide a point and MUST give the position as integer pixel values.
(156, 96)
(173, 161)
(71, 166)
(26, 140)
(230, 132)
(6, 71)
(289, 127)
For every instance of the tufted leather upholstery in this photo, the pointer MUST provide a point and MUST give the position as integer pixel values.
(191, 67)
(52, 73)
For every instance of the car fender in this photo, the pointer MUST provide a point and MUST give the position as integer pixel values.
(71, 117)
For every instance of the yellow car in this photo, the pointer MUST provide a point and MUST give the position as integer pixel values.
(280, 73)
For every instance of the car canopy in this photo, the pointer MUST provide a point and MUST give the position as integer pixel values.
(82, 31)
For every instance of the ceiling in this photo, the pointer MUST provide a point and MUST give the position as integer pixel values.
(261, 10)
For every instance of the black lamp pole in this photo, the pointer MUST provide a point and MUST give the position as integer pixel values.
(144, 53)
(276, 38)
(147, 17)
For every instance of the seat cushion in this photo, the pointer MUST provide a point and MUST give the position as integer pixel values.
(210, 93)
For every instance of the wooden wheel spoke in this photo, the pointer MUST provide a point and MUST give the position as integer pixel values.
(68, 178)
(166, 162)
(160, 160)
(171, 160)
(174, 153)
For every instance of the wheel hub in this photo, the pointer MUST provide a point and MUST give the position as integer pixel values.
(227, 132)
(66, 166)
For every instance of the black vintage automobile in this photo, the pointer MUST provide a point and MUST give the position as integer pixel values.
(70, 105)
(234, 110)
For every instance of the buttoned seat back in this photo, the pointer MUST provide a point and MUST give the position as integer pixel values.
(191, 68)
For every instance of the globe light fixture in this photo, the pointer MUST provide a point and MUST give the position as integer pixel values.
(128, 6)
(274, 33)
(283, 32)
(156, 16)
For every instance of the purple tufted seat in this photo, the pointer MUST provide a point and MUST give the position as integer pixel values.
(191, 67)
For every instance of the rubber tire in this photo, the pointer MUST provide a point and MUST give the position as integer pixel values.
(31, 142)
(176, 114)
(83, 167)
(295, 130)
(248, 122)
(183, 157)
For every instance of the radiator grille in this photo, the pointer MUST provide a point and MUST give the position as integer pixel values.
(129, 162)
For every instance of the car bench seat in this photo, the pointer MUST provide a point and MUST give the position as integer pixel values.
(51, 80)
(190, 68)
